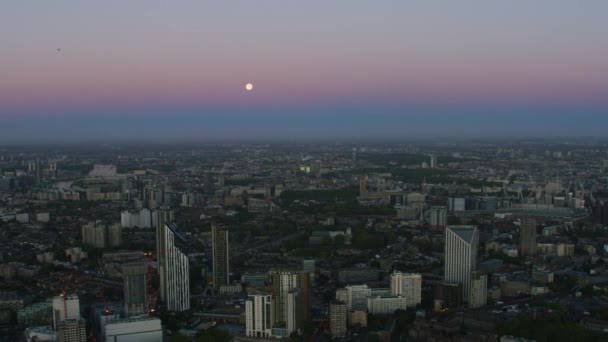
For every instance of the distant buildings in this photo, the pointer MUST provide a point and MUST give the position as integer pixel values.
(461, 243)
(221, 258)
(141, 219)
(99, 235)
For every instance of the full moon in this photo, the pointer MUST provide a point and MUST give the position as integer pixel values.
(249, 86)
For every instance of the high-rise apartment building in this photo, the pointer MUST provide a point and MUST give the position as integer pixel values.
(94, 234)
(294, 311)
(135, 276)
(282, 283)
(99, 235)
(461, 243)
(163, 215)
(527, 237)
(337, 319)
(175, 279)
(408, 285)
(221, 258)
(259, 314)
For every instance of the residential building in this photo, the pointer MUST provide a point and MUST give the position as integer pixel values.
(479, 290)
(175, 280)
(221, 258)
(386, 305)
(527, 232)
(282, 283)
(408, 285)
(354, 296)
(259, 314)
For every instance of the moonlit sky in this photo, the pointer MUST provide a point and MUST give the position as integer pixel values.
(143, 69)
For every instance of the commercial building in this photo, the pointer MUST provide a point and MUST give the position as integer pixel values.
(36, 314)
(221, 258)
(461, 243)
(408, 285)
(134, 330)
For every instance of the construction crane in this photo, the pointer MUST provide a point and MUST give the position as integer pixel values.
(102, 296)
(151, 291)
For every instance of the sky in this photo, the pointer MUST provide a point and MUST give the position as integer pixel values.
(171, 70)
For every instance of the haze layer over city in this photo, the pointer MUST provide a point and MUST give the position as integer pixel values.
(303, 171)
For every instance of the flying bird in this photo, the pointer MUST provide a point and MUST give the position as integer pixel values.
(58, 50)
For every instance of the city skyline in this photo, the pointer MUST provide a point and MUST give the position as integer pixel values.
(139, 70)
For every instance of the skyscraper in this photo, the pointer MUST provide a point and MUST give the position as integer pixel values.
(163, 215)
(527, 237)
(175, 280)
(259, 314)
(220, 249)
(461, 244)
(282, 283)
(135, 276)
(408, 285)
